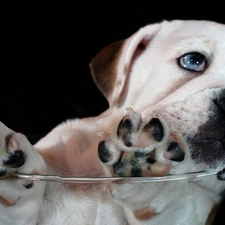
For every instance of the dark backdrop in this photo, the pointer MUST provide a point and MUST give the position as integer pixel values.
(45, 51)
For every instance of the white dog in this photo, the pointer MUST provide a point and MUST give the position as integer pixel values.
(166, 90)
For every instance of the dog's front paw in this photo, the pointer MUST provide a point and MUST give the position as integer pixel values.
(17, 154)
(12, 157)
(134, 150)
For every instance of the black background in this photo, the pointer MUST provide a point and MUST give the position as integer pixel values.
(45, 50)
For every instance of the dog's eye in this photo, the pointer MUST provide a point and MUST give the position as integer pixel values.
(193, 61)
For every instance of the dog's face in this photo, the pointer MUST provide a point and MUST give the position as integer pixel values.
(168, 83)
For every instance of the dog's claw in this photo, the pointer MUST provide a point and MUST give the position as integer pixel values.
(103, 135)
(177, 136)
(130, 110)
(14, 144)
(133, 115)
(154, 114)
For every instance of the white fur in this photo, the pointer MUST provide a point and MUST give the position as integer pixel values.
(155, 82)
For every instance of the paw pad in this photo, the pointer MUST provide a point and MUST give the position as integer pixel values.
(3, 172)
(15, 159)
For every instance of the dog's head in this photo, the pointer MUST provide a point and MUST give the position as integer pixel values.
(168, 82)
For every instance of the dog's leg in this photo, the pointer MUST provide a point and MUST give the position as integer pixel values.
(19, 199)
(150, 149)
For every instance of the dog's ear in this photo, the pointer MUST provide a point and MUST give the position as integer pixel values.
(111, 67)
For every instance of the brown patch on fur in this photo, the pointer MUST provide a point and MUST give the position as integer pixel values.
(212, 215)
(103, 67)
(7, 201)
(144, 213)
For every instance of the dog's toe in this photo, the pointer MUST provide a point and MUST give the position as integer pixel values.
(3, 172)
(154, 129)
(103, 152)
(128, 126)
(131, 133)
(221, 174)
(176, 152)
(11, 156)
(15, 159)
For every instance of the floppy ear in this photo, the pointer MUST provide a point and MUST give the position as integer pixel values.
(111, 67)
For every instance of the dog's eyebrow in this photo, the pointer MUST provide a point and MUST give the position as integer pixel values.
(55, 178)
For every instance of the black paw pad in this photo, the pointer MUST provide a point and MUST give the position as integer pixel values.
(221, 175)
(155, 129)
(136, 171)
(29, 185)
(177, 154)
(3, 172)
(124, 131)
(103, 152)
(129, 165)
(151, 160)
(118, 168)
(15, 159)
